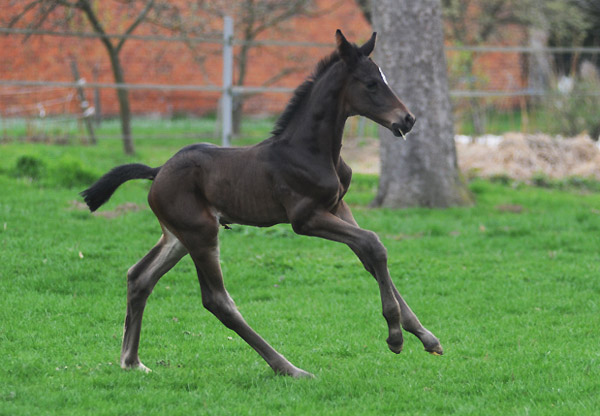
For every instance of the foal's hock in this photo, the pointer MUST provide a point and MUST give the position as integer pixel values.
(296, 176)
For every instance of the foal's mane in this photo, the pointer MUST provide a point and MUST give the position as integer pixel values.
(302, 91)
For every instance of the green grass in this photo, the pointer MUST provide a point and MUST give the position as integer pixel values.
(148, 128)
(61, 130)
(502, 115)
(510, 286)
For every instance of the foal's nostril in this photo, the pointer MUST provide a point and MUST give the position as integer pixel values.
(409, 120)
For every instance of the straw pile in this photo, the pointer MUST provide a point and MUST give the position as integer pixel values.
(515, 155)
(522, 156)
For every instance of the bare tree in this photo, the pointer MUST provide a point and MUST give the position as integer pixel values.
(60, 12)
(423, 170)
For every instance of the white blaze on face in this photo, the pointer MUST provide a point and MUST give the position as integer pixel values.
(383, 76)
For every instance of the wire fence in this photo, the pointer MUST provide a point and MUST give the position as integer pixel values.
(488, 87)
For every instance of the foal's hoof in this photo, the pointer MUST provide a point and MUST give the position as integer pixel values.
(295, 372)
(137, 366)
(302, 374)
(431, 343)
(435, 350)
(395, 345)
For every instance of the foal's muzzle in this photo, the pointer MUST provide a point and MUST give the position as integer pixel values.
(404, 126)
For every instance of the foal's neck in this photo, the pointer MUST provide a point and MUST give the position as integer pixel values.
(321, 126)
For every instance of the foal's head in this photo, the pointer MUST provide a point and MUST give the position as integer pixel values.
(368, 93)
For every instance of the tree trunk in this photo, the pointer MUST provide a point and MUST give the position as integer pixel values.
(123, 98)
(237, 115)
(423, 170)
(113, 54)
(540, 62)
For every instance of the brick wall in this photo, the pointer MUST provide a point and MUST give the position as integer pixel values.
(47, 58)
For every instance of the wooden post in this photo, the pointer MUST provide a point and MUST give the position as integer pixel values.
(86, 110)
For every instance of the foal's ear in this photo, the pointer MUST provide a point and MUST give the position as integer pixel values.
(345, 49)
(369, 45)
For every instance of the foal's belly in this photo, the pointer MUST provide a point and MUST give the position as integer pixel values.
(243, 194)
(248, 210)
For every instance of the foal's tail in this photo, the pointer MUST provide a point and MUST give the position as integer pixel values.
(102, 190)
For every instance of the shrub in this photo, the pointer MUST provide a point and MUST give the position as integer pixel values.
(30, 167)
(576, 111)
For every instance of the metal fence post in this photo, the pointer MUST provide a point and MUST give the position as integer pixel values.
(227, 98)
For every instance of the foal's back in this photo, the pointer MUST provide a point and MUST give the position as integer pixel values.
(237, 185)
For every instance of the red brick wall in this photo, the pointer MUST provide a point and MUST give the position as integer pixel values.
(47, 58)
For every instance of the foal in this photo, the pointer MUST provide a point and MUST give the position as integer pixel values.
(296, 176)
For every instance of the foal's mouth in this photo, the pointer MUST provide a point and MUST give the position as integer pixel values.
(402, 127)
(400, 131)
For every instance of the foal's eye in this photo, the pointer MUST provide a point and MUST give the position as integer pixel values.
(372, 86)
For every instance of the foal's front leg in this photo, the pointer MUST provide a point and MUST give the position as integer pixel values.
(410, 322)
(341, 226)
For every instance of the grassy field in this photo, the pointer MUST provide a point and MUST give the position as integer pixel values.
(185, 128)
(510, 286)
(253, 129)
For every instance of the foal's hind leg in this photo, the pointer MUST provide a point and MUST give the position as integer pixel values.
(202, 243)
(409, 320)
(141, 279)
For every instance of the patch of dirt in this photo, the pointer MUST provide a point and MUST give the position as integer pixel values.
(362, 154)
(114, 213)
(515, 155)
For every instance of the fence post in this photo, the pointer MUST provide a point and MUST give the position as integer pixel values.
(227, 97)
(86, 110)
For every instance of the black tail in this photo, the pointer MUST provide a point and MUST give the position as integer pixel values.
(102, 190)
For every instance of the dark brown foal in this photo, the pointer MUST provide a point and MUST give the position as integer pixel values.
(296, 176)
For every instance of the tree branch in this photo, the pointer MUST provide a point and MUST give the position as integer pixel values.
(84, 5)
(135, 24)
(26, 9)
(282, 74)
(44, 16)
(66, 3)
(293, 11)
